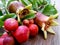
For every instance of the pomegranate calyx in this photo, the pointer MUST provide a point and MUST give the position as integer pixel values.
(44, 31)
(45, 34)
(51, 22)
(43, 26)
(50, 30)
(53, 16)
(29, 6)
(54, 23)
(32, 11)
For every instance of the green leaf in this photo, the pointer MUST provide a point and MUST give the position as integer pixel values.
(30, 16)
(25, 2)
(1, 12)
(9, 2)
(35, 6)
(44, 2)
(4, 17)
(4, 3)
(6, 11)
(39, 2)
(30, 1)
(1, 23)
(49, 10)
(48, 1)
(1, 5)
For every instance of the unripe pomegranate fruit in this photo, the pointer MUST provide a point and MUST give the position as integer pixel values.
(31, 21)
(10, 24)
(33, 30)
(21, 34)
(26, 22)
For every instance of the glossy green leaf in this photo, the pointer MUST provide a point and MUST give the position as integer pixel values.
(35, 5)
(48, 1)
(1, 5)
(39, 2)
(4, 3)
(4, 17)
(49, 10)
(1, 13)
(30, 1)
(25, 2)
(9, 2)
(1, 23)
(30, 16)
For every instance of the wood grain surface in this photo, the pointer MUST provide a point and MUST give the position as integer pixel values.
(52, 39)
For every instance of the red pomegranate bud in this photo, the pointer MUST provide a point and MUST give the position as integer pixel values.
(45, 23)
(14, 6)
(40, 19)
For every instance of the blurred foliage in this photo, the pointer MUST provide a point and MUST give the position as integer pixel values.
(44, 6)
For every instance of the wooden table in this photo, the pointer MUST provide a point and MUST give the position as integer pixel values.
(52, 39)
